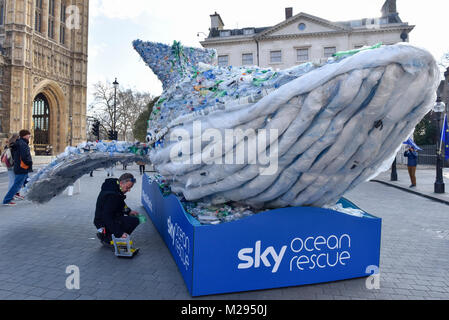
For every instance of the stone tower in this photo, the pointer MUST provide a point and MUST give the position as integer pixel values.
(43, 70)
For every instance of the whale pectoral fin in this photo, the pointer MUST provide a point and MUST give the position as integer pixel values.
(56, 177)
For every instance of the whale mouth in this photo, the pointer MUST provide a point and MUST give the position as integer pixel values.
(326, 129)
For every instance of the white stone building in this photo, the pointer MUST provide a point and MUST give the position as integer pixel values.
(302, 38)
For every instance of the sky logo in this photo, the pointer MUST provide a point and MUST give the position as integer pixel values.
(311, 253)
(250, 260)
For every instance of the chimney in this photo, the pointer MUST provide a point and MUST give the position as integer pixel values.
(216, 22)
(389, 8)
(288, 13)
(390, 12)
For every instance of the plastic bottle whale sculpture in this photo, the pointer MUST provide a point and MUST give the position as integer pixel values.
(326, 128)
(338, 125)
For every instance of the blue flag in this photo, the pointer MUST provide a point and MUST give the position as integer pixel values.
(445, 138)
(411, 143)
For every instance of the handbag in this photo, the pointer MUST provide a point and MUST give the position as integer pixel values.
(7, 158)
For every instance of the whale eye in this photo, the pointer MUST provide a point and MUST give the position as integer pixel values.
(379, 124)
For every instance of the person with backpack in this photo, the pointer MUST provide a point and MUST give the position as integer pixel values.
(23, 164)
(7, 158)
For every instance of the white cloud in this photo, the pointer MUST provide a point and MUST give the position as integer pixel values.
(96, 49)
(119, 9)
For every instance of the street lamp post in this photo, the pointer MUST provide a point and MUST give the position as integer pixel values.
(394, 172)
(439, 110)
(114, 121)
(71, 129)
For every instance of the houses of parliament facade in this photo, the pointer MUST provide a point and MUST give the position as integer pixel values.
(43, 71)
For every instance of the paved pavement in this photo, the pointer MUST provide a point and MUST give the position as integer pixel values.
(39, 242)
(425, 177)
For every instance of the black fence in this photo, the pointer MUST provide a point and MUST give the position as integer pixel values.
(428, 156)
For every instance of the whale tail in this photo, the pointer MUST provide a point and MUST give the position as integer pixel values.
(172, 63)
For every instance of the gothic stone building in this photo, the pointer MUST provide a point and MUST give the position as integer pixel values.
(303, 38)
(43, 70)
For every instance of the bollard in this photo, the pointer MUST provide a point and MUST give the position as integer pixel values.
(71, 189)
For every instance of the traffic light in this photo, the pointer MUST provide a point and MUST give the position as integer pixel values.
(112, 135)
(96, 129)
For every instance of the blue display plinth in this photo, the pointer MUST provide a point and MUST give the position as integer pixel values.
(278, 248)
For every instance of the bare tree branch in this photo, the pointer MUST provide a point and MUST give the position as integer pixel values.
(130, 104)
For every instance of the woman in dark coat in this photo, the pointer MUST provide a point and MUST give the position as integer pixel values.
(412, 156)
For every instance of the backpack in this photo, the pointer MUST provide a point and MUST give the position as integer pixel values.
(7, 158)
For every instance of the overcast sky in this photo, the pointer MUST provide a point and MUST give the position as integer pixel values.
(114, 24)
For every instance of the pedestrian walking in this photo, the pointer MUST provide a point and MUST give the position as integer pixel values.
(110, 171)
(23, 164)
(7, 158)
(412, 163)
(141, 167)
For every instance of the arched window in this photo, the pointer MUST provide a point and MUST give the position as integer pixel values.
(41, 123)
(63, 19)
(38, 16)
(51, 19)
(2, 12)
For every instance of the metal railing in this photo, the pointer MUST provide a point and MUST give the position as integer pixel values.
(427, 156)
